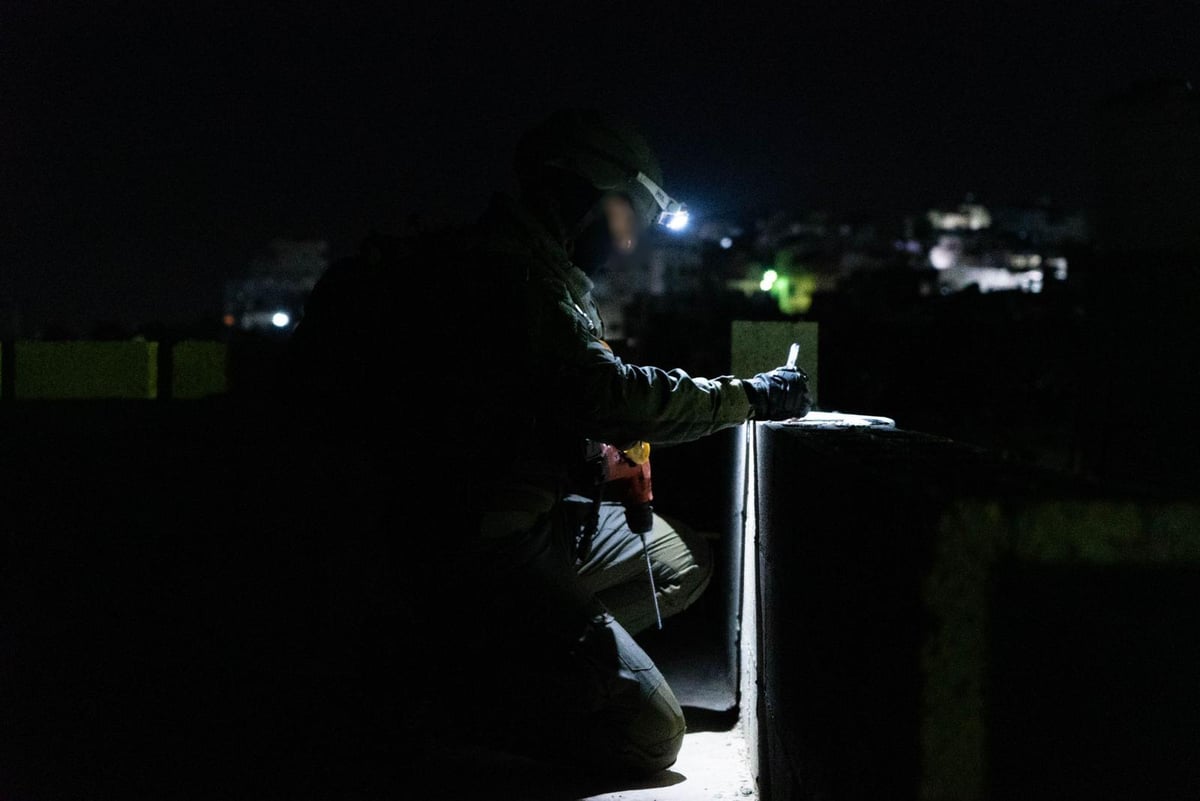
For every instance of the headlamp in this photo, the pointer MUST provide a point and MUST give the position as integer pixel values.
(672, 213)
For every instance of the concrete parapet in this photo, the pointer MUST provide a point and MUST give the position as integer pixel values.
(85, 370)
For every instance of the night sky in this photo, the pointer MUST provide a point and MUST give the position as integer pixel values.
(149, 153)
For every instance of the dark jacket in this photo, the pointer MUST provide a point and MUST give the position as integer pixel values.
(575, 385)
(478, 359)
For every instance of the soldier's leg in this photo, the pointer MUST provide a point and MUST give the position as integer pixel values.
(639, 726)
(541, 669)
(615, 570)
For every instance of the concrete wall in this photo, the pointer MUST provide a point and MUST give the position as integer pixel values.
(937, 623)
(132, 370)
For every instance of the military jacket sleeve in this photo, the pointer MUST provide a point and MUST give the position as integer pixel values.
(601, 397)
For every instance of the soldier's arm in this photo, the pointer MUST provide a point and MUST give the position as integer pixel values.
(606, 399)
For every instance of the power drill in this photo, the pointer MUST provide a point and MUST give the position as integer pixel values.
(627, 471)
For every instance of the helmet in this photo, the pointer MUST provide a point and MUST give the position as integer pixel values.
(608, 153)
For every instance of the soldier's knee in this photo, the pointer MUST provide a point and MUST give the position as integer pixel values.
(639, 726)
(654, 737)
(696, 580)
(687, 567)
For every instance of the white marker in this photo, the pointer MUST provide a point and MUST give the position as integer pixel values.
(793, 353)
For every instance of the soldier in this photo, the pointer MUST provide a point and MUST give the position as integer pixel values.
(492, 407)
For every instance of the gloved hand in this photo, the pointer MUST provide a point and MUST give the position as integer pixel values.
(779, 394)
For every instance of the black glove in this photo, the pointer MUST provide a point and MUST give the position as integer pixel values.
(779, 395)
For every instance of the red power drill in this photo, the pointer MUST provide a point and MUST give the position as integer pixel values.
(627, 470)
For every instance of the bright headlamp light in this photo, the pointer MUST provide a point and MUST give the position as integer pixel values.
(671, 213)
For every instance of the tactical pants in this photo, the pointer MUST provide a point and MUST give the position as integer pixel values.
(540, 665)
(616, 572)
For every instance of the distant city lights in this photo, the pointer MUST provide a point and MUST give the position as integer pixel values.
(945, 253)
(281, 319)
(968, 216)
(989, 279)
